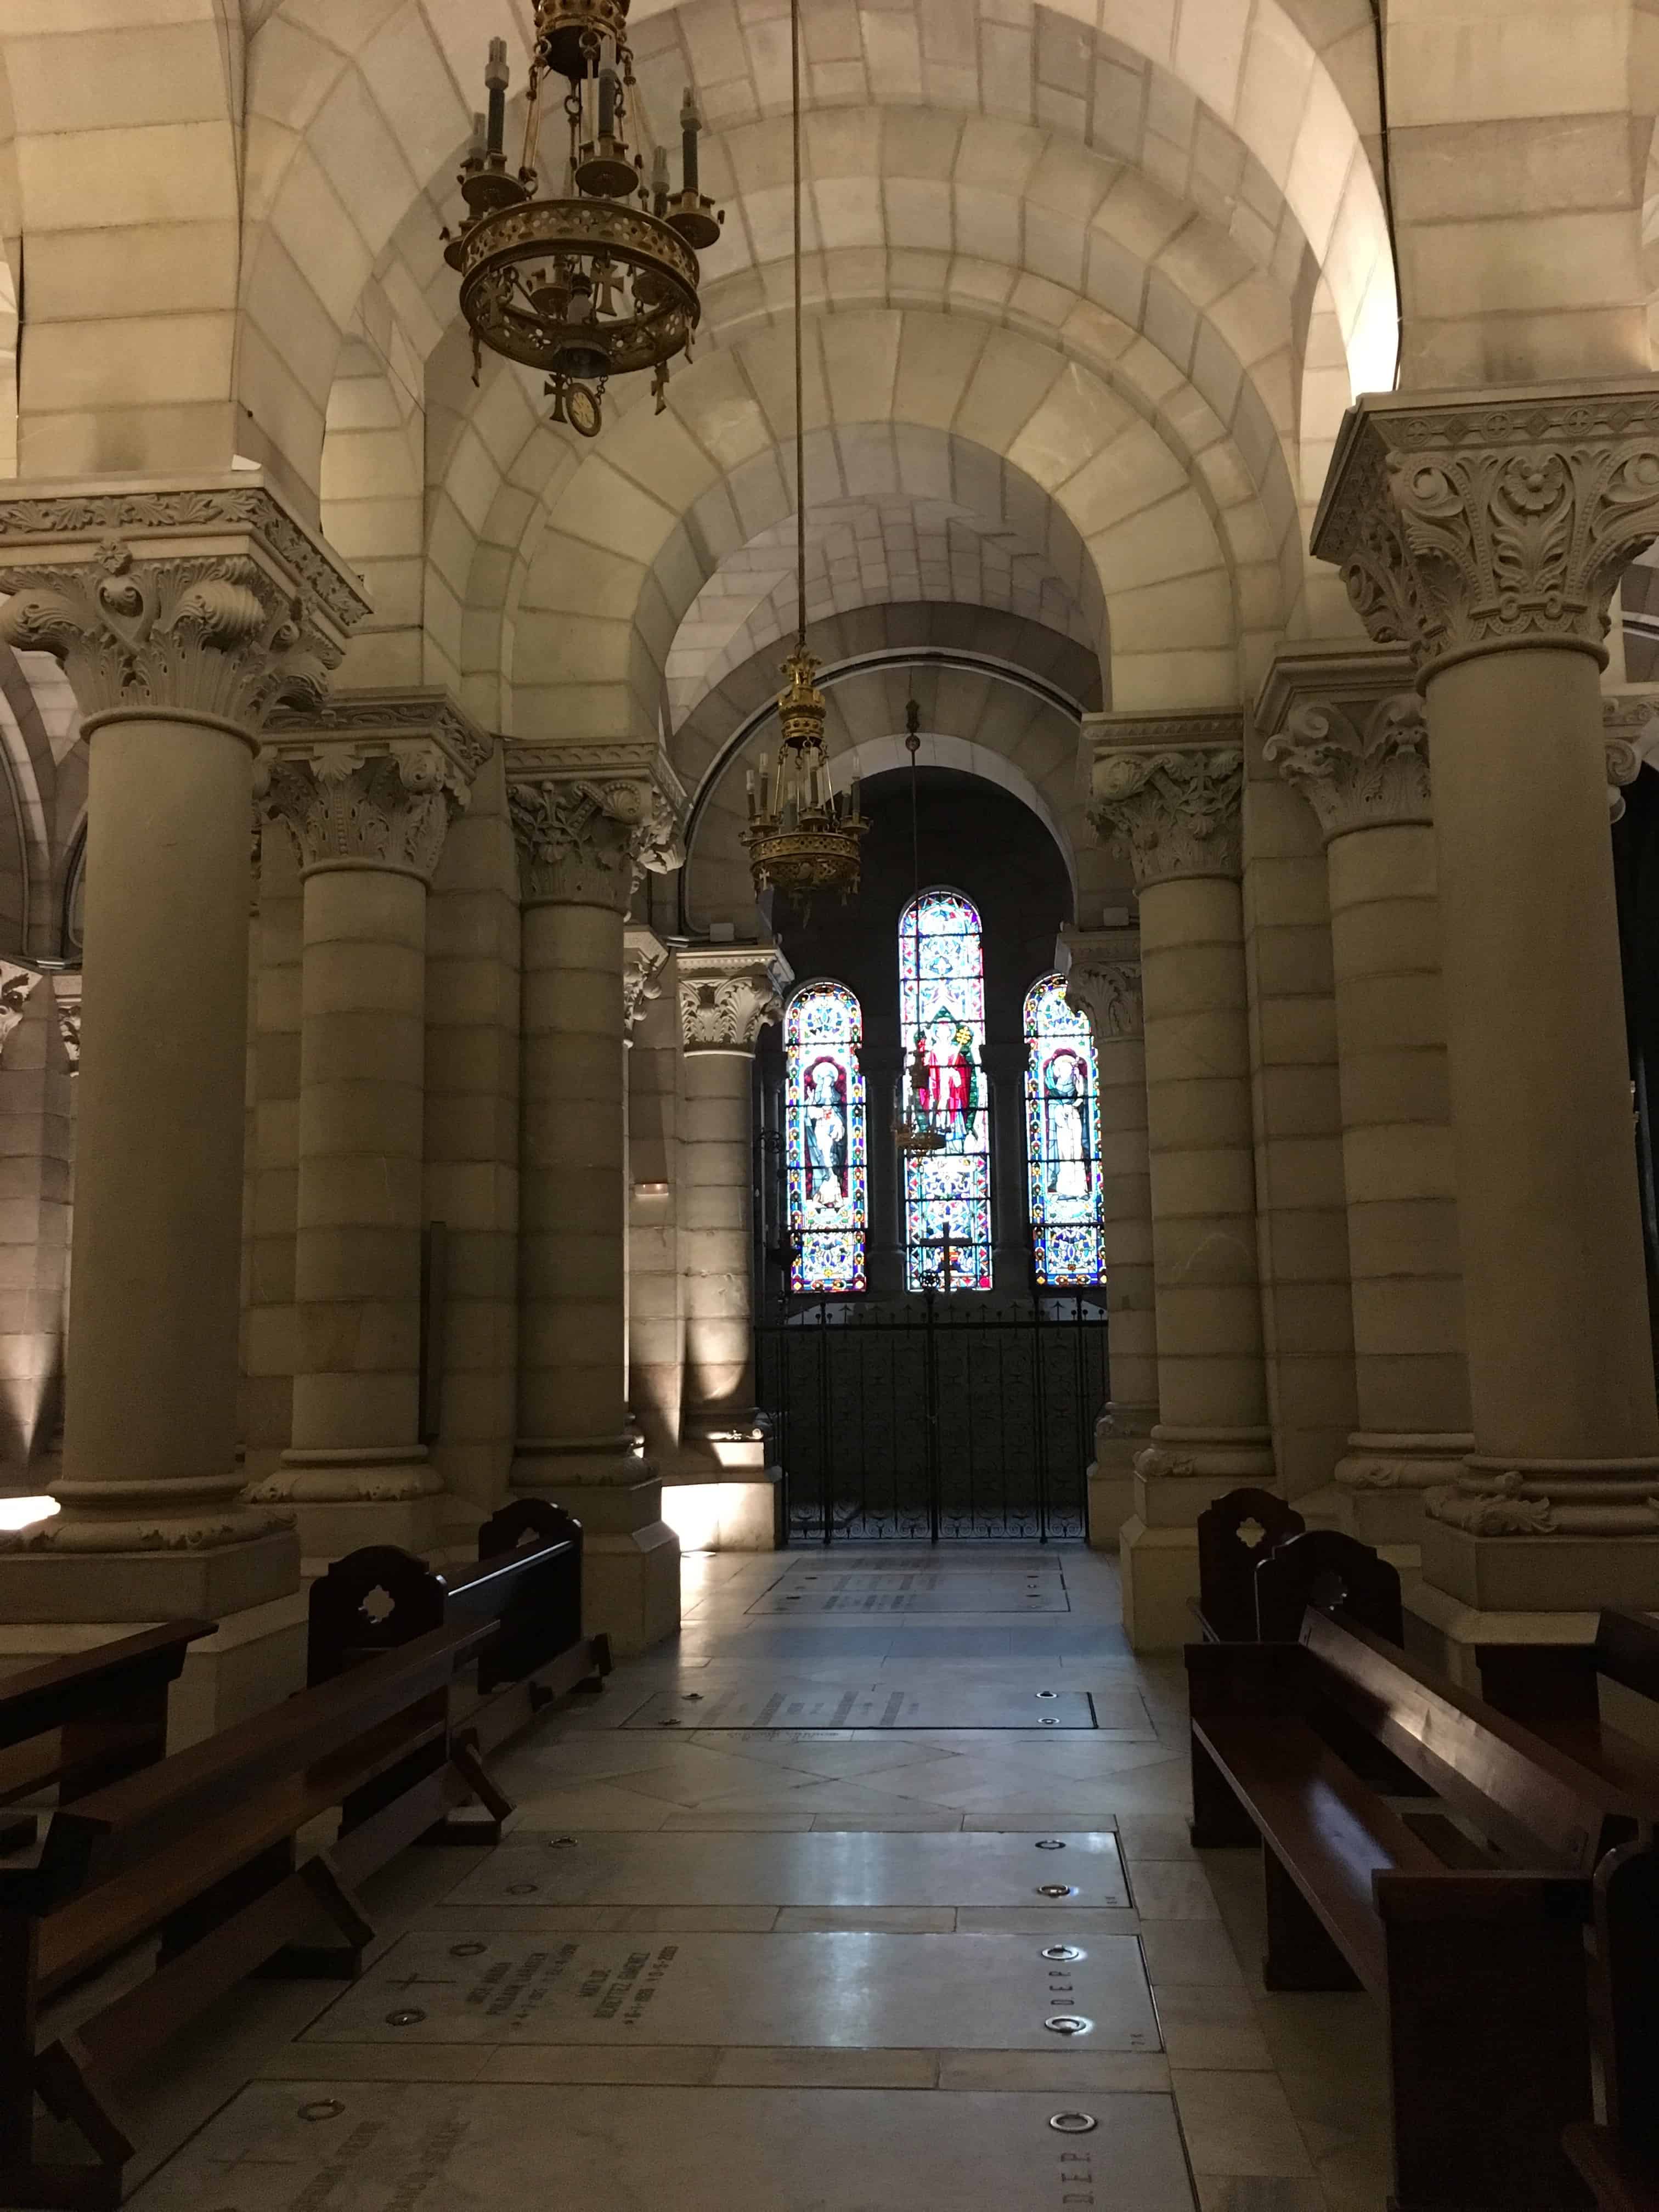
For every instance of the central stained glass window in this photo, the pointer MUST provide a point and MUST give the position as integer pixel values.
(1062, 1138)
(947, 1192)
(828, 1194)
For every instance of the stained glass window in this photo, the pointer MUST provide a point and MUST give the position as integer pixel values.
(1062, 1138)
(824, 1135)
(947, 1192)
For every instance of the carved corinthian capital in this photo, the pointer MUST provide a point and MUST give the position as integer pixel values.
(729, 994)
(1102, 968)
(372, 781)
(1630, 728)
(590, 820)
(644, 958)
(206, 599)
(15, 986)
(1347, 729)
(1467, 525)
(1167, 791)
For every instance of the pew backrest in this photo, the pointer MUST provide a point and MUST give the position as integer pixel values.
(1539, 1806)
(1324, 1567)
(1234, 1533)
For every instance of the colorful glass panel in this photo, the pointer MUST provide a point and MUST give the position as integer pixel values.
(827, 1155)
(1062, 1138)
(947, 1194)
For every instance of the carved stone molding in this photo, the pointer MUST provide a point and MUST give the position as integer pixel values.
(16, 984)
(1167, 791)
(590, 821)
(1466, 525)
(372, 781)
(66, 990)
(1359, 767)
(206, 599)
(385, 717)
(729, 994)
(644, 958)
(1101, 968)
(1582, 1500)
(1629, 726)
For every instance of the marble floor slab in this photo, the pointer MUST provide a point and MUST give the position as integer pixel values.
(966, 1597)
(473, 1985)
(931, 1578)
(806, 1870)
(832, 1706)
(322, 2146)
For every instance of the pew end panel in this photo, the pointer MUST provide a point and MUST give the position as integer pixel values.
(1234, 1533)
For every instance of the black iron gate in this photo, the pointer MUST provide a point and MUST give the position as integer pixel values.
(939, 1418)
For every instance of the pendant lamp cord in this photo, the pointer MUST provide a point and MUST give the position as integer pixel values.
(801, 412)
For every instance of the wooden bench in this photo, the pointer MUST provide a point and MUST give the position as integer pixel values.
(1555, 1690)
(526, 1588)
(205, 1850)
(1234, 1533)
(76, 1723)
(1619, 2159)
(1260, 1566)
(1468, 1922)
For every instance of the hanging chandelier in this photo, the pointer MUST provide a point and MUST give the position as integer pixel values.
(603, 281)
(802, 836)
(914, 1130)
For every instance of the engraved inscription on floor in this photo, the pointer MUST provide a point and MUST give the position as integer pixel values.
(809, 1870)
(834, 1705)
(862, 1590)
(842, 1991)
(370, 2147)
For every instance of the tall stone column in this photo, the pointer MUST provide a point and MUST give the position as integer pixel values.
(1169, 791)
(35, 1157)
(728, 994)
(1488, 535)
(1103, 981)
(181, 614)
(581, 838)
(1346, 730)
(367, 792)
(656, 1313)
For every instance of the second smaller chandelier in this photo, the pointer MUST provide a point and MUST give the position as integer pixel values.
(601, 281)
(802, 835)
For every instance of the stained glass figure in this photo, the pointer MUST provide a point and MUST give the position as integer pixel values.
(1062, 1138)
(947, 1192)
(828, 1194)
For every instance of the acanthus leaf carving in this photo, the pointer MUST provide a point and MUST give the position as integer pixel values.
(1358, 767)
(1110, 993)
(592, 837)
(729, 994)
(387, 806)
(1175, 813)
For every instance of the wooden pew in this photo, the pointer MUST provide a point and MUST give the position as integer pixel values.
(1324, 1567)
(526, 1589)
(1554, 1689)
(76, 1723)
(201, 1849)
(1234, 1533)
(1477, 1951)
(1619, 2159)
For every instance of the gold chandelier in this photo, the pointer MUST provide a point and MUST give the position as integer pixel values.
(801, 836)
(603, 281)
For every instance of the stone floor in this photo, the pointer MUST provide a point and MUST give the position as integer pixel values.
(808, 1968)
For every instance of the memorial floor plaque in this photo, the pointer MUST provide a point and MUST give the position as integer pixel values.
(962, 1596)
(833, 1705)
(828, 1870)
(841, 1991)
(386, 2147)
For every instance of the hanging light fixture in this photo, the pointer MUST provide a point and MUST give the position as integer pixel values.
(603, 281)
(802, 836)
(913, 1129)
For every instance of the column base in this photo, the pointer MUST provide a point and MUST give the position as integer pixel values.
(43, 1583)
(737, 1516)
(256, 1658)
(630, 1556)
(343, 1500)
(1383, 1479)
(1442, 1631)
(1111, 1488)
(1546, 1535)
(712, 1447)
(1176, 1475)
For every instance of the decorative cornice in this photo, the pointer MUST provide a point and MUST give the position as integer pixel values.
(205, 598)
(590, 820)
(1167, 790)
(1467, 525)
(1103, 980)
(373, 717)
(729, 994)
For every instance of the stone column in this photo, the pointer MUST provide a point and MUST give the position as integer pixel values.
(1488, 535)
(728, 994)
(1345, 729)
(366, 791)
(181, 614)
(35, 1157)
(581, 838)
(1103, 981)
(656, 1316)
(1168, 790)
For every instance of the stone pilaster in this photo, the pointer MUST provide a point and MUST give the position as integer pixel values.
(1486, 535)
(182, 615)
(729, 994)
(366, 792)
(1102, 974)
(1168, 790)
(1346, 729)
(588, 823)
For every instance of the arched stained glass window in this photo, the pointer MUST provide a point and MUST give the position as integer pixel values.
(827, 1155)
(1062, 1138)
(947, 1192)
